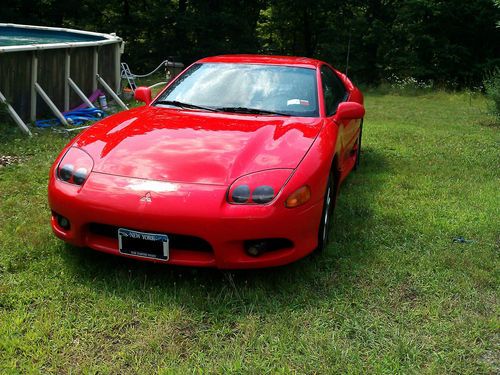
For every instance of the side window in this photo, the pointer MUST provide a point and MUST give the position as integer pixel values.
(333, 90)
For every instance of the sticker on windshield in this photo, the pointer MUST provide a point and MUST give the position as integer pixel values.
(297, 102)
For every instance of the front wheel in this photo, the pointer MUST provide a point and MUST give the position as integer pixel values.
(326, 223)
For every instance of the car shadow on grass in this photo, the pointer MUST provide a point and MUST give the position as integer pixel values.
(304, 283)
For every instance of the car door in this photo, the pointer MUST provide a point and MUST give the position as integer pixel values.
(334, 93)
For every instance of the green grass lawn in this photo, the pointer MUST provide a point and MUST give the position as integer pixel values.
(392, 294)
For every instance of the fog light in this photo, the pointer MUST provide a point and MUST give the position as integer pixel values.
(256, 248)
(62, 222)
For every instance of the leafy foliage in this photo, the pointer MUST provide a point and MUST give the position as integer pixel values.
(492, 87)
(449, 42)
(3, 111)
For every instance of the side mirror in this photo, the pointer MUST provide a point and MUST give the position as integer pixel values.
(350, 110)
(143, 94)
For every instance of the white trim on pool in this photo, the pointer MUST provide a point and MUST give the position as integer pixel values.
(105, 38)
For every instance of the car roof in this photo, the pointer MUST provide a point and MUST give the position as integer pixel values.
(264, 59)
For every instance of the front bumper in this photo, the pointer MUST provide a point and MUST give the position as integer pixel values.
(195, 210)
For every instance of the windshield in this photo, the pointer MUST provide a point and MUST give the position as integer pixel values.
(245, 88)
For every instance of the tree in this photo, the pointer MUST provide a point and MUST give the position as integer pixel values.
(451, 42)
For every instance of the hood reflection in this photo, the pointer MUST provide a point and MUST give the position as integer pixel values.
(196, 147)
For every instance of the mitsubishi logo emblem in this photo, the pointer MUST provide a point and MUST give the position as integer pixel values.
(146, 198)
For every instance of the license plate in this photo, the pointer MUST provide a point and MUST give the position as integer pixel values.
(144, 245)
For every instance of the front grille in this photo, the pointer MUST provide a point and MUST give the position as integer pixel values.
(176, 241)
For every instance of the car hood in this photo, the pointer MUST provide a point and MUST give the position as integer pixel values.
(195, 147)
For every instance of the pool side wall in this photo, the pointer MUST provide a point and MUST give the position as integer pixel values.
(16, 71)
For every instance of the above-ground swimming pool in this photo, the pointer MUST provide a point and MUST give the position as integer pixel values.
(21, 36)
(61, 63)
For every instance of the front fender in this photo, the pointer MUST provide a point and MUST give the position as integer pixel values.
(314, 168)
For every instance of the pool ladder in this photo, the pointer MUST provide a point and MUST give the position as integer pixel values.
(127, 74)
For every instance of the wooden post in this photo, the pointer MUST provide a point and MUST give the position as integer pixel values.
(117, 67)
(67, 72)
(34, 77)
(95, 68)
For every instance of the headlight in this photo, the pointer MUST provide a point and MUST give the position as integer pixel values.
(259, 187)
(75, 166)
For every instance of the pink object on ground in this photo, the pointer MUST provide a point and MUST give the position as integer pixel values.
(92, 98)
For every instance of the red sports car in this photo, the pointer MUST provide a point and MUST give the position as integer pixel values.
(235, 164)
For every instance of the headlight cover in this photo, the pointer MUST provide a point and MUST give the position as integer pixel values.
(259, 187)
(75, 167)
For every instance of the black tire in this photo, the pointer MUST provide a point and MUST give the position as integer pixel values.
(329, 202)
(358, 151)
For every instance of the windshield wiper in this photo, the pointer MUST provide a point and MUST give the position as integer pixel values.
(253, 111)
(176, 103)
